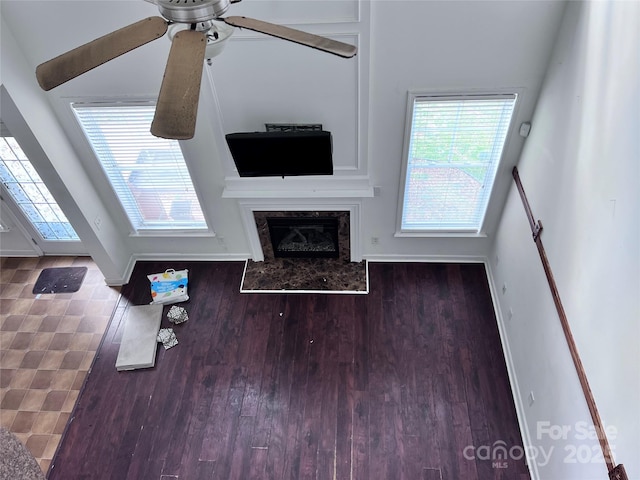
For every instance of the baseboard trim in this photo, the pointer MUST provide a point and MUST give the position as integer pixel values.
(19, 253)
(425, 258)
(171, 257)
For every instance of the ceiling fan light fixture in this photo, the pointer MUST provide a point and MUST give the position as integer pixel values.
(216, 43)
(217, 35)
(192, 11)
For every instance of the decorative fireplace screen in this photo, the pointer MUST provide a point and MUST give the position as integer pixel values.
(304, 236)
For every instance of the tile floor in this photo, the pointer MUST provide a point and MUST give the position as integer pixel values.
(47, 345)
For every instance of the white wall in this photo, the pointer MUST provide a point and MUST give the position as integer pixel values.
(581, 170)
(454, 47)
(31, 121)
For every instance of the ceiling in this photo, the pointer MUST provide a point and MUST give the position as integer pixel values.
(426, 46)
(257, 80)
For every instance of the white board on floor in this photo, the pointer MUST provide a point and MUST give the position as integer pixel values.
(139, 339)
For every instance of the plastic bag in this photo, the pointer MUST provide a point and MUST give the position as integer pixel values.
(169, 286)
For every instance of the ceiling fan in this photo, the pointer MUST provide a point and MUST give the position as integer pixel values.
(177, 106)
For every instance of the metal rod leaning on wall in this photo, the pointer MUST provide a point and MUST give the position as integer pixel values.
(615, 472)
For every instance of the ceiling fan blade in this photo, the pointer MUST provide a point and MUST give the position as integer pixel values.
(314, 41)
(177, 106)
(90, 55)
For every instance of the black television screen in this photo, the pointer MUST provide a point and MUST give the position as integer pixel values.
(281, 154)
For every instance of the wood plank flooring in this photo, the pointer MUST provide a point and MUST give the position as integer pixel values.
(390, 385)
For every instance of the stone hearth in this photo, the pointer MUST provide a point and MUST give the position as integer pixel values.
(305, 274)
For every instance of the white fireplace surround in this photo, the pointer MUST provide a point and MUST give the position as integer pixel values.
(247, 207)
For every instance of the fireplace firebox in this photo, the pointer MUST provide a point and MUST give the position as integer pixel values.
(308, 237)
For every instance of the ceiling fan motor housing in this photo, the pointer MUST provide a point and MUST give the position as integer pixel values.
(192, 11)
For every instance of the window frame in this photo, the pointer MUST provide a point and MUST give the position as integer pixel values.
(99, 169)
(412, 96)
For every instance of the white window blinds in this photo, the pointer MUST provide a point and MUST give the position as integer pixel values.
(455, 146)
(148, 174)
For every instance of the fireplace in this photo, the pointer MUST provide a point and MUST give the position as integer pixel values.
(335, 223)
(308, 237)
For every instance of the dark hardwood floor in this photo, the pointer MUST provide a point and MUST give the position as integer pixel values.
(391, 385)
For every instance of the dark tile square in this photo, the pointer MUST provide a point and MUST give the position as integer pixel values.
(54, 400)
(72, 360)
(11, 262)
(12, 399)
(32, 360)
(40, 307)
(6, 375)
(12, 322)
(21, 341)
(79, 380)
(21, 276)
(95, 342)
(60, 341)
(42, 379)
(90, 324)
(26, 291)
(50, 324)
(37, 443)
(7, 306)
(76, 307)
(61, 423)
(23, 422)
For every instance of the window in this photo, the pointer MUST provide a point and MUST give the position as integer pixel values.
(148, 174)
(31, 195)
(454, 148)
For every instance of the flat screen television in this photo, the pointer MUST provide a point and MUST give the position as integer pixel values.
(281, 154)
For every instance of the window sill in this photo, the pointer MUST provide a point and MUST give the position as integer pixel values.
(440, 234)
(173, 233)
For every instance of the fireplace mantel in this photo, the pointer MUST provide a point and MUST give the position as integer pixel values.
(297, 187)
